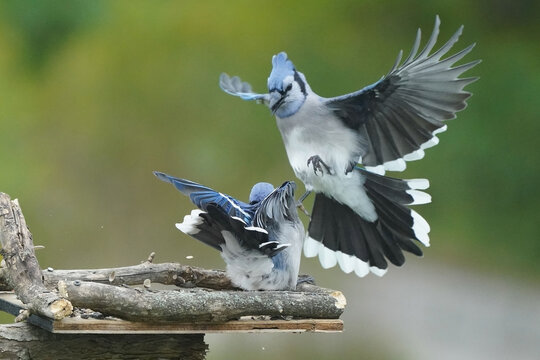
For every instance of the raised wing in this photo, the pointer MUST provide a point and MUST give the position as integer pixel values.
(203, 196)
(209, 226)
(400, 115)
(235, 86)
(277, 207)
(248, 237)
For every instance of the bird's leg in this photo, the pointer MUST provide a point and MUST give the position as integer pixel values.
(350, 168)
(303, 197)
(301, 206)
(318, 165)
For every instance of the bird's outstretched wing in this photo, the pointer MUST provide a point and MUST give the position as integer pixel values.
(235, 86)
(203, 196)
(399, 115)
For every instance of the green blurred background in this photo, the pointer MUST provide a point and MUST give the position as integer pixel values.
(95, 95)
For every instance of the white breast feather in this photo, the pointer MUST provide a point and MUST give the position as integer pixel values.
(313, 130)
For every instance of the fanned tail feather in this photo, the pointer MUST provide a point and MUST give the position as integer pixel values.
(338, 235)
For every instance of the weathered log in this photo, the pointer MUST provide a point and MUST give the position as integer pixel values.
(23, 272)
(202, 304)
(24, 341)
(164, 273)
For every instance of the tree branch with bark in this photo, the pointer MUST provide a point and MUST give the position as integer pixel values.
(201, 295)
(21, 266)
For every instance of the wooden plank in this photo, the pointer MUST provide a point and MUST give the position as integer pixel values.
(95, 326)
(77, 325)
(26, 341)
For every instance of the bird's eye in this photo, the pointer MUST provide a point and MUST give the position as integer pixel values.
(289, 87)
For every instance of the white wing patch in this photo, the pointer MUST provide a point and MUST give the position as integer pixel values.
(421, 228)
(400, 164)
(418, 184)
(415, 155)
(237, 218)
(419, 197)
(267, 243)
(395, 165)
(256, 228)
(190, 223)
(379, 169)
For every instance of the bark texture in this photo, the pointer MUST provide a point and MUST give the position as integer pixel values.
(163, 273)
(22, 269)
(196, 305)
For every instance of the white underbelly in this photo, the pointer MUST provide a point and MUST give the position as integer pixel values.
(347, 188)
(336, 152)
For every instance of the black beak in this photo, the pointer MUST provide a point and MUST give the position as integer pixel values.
(278, 104)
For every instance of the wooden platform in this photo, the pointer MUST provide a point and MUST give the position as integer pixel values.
(78, 325)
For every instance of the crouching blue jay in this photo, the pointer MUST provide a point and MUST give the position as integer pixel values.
(260, 241)
(360, 218)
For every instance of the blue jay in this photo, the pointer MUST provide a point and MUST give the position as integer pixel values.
(360, 218)
(260, 241)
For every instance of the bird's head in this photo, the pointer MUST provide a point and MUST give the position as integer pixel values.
(287, 87)
(260, 191)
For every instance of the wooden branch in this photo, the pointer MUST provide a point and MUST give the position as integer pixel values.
(23, 272)
(202, 304)
(86, 321)
(164, 273)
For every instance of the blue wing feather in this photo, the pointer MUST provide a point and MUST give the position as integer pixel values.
(203, 196)
(235, 86)
(186, 187)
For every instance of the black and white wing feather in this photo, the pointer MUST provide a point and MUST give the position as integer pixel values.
(248, 236)
(400, 115)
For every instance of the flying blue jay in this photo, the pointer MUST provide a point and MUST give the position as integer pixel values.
(260, 241)
(360, 218)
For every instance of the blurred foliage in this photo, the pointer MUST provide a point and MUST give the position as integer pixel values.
(95, 95)
(45, 25)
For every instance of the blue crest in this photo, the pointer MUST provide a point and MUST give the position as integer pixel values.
(281, 68)
(260, 191)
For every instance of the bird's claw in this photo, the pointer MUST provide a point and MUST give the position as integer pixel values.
(308, 279)
(350, 168)
(303, 209)
(318, 165)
